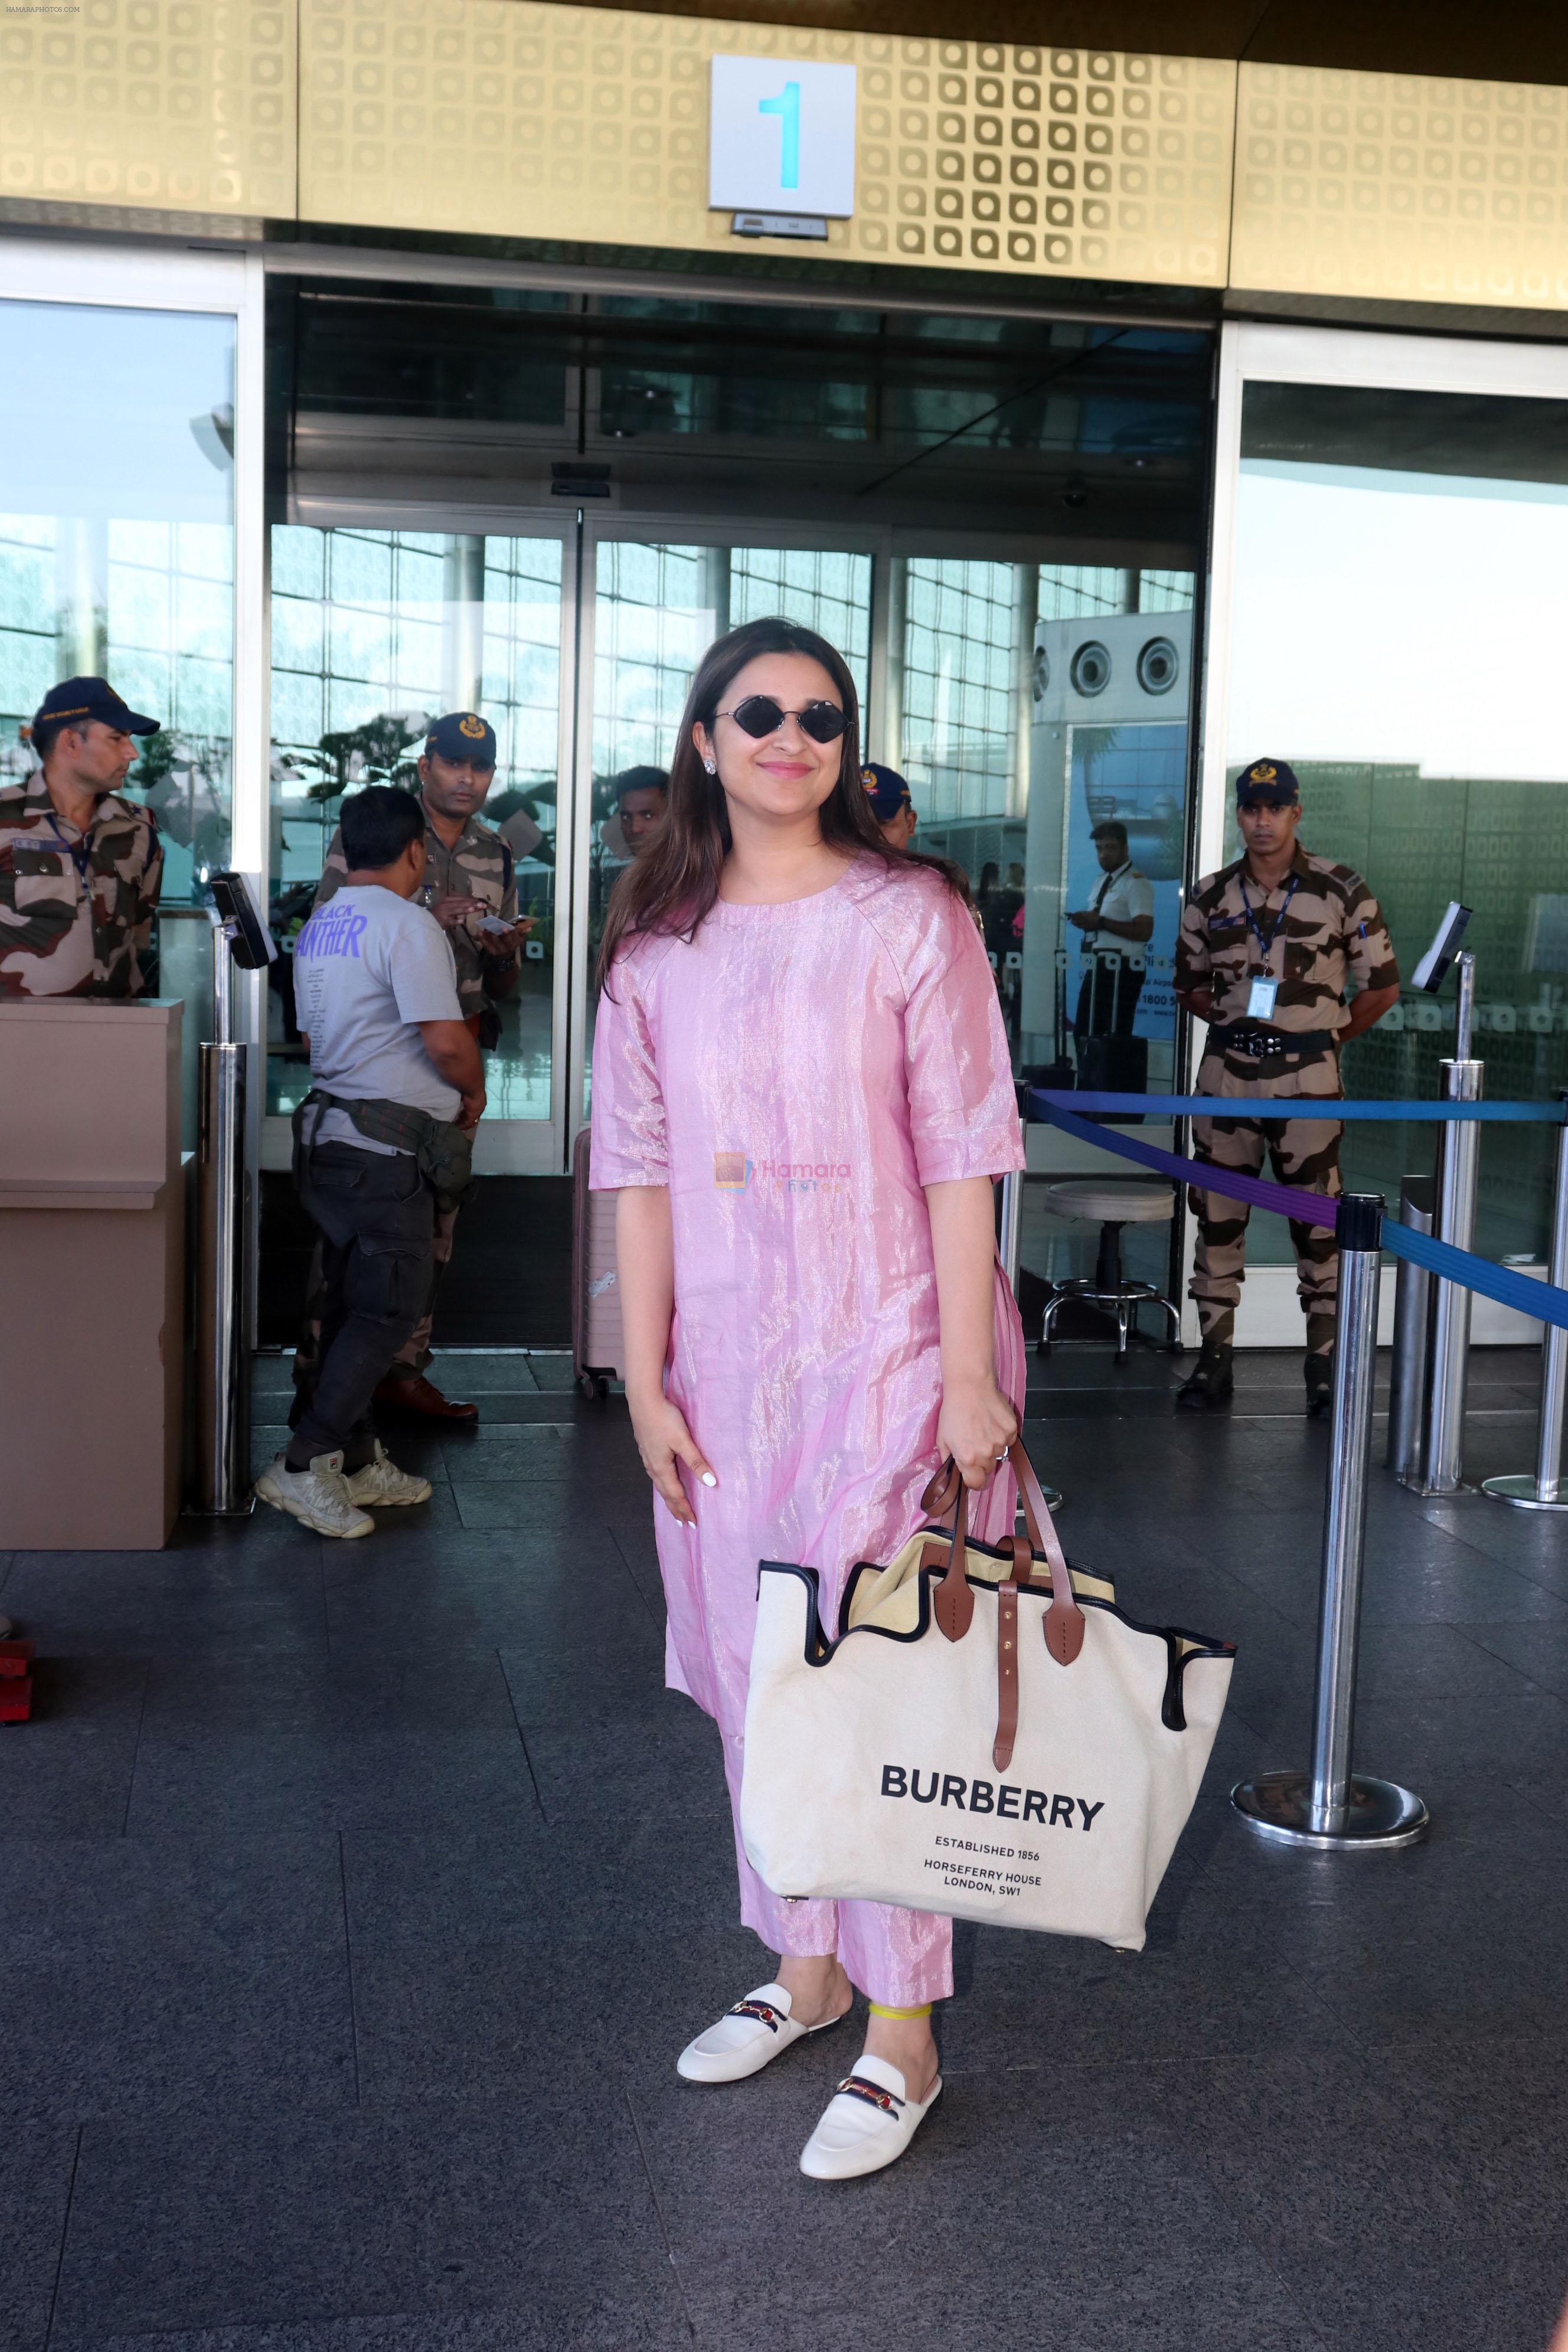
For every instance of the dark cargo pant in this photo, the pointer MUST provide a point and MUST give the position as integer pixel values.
(376, 1217)
(415, 1353)
(1304, 1151)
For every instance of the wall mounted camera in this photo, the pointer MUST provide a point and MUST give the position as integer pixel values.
(1090, 669)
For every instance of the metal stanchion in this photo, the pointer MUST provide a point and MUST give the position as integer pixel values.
(1011, 1219)
(1544, 1492)
(1329, 1805)
(1412, 1309)
(223, 1194)
(1458, 1164)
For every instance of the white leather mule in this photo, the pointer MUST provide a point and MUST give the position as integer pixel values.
(867, 2122)
(746, 2038)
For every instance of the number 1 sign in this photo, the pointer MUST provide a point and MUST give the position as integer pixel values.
(782, 136)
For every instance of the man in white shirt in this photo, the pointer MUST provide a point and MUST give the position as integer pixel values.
(382, 1137)
(1117, 925)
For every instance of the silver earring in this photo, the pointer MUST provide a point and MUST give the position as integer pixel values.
(711, 766)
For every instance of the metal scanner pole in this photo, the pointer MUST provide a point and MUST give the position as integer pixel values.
(1448, 1353)
(1329, 1805)
(1411, 1314)
(223, 1225)
(1544, 1491)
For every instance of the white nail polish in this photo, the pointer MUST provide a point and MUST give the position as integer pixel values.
(709, 1479)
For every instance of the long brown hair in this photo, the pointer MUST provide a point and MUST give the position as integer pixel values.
(675, 881)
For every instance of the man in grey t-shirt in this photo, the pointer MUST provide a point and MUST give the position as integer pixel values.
(377, 995)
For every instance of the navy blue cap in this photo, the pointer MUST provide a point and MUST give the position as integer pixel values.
(1269, 783)
(463, 735)
(886, 789)
(92, 697)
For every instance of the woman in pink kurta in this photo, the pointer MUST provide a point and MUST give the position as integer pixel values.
(792, 1075)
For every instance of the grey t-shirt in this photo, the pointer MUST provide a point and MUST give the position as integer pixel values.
(368, 966)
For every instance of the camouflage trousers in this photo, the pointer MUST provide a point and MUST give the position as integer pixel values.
(411, 1358)
(1303, 1151)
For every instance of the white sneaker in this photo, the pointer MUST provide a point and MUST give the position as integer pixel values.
(746, 2039)
(318, 1496)
(380, 1481)
(867, 2123)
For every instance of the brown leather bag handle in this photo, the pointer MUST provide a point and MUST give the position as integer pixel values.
(954, 1603)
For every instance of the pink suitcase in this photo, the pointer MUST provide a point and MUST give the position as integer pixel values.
(595, 1300)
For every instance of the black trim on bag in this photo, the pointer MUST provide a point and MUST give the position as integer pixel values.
(1004, 1560)
(820, 1651)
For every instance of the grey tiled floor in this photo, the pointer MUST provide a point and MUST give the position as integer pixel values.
(358, 1897)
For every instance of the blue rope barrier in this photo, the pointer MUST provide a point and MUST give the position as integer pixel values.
(1540, 1300)
(1299, 1107)
(1285, 1199)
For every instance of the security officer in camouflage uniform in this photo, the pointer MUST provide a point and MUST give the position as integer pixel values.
(1265, 947)
(470, 888)
(79, 867)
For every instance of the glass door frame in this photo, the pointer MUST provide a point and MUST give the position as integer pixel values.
(879, 541)
(127, 276)
(510, 1146)
(1255, 352)
(680, 530)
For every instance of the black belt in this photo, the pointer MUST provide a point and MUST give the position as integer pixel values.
(1268, 1045)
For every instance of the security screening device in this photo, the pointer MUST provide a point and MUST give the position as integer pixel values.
(251, 944)
(240, 938)
(1432, 1328)
(1433, 969)
(1461, 1078)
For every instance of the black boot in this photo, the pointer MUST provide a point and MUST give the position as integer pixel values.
(1319, 1368)
(1210, 1383)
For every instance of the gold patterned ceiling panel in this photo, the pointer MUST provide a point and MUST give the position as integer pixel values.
(1401, 186)
(505, 118)
(177, 105)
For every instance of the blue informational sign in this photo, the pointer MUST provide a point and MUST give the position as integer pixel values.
(1137, 776)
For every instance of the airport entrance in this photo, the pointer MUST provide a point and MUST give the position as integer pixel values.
(545, 505)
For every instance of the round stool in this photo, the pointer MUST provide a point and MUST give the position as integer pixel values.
(1110, 1206)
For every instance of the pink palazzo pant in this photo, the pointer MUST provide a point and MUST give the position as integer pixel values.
(896, 1957)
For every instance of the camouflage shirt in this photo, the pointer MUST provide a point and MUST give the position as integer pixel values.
(479, 866)
(1332, 930)
(76, 910)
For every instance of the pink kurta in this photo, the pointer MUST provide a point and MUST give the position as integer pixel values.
(797, 1074)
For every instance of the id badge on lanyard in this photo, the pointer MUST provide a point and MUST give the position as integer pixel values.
(79, 853)
(1264, 988)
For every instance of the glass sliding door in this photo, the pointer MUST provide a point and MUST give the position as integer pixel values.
(1391, 542)
(131, 548)
(116, 547)
(376, 632)
(658, 606)
(1028, 704)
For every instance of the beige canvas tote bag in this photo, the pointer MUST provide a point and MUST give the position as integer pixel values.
(986, 1735)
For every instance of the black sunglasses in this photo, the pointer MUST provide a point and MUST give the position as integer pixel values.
(759, 715)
